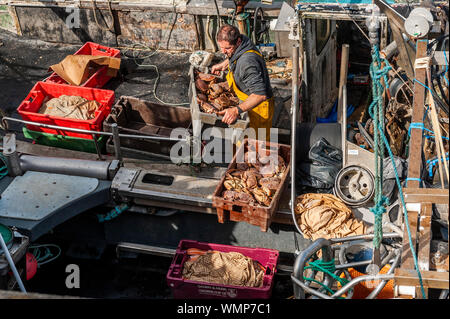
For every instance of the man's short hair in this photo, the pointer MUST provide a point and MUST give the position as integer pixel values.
(228, 33)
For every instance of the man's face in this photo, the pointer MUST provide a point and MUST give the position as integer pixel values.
(227, 48)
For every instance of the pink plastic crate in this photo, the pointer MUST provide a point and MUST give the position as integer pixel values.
(99, 78)
(29, 108)
(189, 289)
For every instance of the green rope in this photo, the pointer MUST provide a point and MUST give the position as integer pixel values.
(112, 214)
(327, 267)
(4, 168)
(375, 111)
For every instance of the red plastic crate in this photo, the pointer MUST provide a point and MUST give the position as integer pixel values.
(29, 108)
(99, 78)
(189, 289)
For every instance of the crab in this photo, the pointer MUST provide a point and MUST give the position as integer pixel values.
(261, 196)
(223, 101)
(206, 77)
(233, 180)
(206, 107)
(201, 85)
(273, 168)
(240, 196)
(251, 177)
(270, 185)
(202, 97)
(214, 90)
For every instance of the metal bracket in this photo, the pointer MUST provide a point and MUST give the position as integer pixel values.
(11, 155)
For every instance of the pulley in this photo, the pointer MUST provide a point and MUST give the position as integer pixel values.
(354, 185)
(419, 22)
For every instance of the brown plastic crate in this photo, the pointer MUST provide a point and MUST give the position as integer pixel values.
(253, 214)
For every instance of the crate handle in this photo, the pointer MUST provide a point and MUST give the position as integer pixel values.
(30, 98)
(179, 259)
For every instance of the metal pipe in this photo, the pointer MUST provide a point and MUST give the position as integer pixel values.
(76, 130)
(116, 141)
(294, 107)
(304, 256)
(77, 167)
(97, 147)
(383, 283)
(12, 265)
(344, 125)
(365, 237)
(308, 289)
(357, 280)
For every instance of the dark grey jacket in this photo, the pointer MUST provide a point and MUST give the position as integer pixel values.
(249, 70)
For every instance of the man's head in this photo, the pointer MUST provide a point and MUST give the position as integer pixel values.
(229, 39)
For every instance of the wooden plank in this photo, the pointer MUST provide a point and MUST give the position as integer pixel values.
(430, 279)
(424, 236)
(421, 195)
(415, 144)
(407, 260)
(343, 79)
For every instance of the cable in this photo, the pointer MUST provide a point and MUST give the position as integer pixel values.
(157, 79)
(43, 259)
(108, 28)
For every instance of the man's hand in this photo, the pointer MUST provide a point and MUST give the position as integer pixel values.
(217, 68)
(230, 115)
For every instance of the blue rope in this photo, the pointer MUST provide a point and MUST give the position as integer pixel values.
(417, 125)
(402, 198)
(412, 179)
(432, 162)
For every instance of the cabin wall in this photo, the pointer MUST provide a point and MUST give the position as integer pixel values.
(321, 72)
(157, 25)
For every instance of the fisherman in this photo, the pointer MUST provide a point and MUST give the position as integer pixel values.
(249, 78)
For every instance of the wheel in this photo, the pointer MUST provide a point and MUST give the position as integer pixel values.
(354, 185)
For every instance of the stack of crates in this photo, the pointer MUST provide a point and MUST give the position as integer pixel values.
(53, 87)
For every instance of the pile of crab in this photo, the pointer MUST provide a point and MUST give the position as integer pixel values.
(255, 180)
(213, 95)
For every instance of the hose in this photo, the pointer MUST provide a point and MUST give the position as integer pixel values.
(219, 22)
(256, 35)
(213, 43)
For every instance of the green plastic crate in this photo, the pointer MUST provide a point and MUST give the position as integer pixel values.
(66, 142)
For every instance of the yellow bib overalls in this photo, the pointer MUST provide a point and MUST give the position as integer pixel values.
(262, 114)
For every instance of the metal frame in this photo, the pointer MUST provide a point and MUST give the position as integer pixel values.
(325, 245)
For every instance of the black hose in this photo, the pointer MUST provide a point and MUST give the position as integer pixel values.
(256, 35)
(219, 22)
